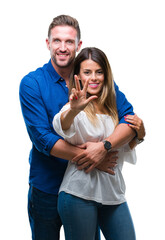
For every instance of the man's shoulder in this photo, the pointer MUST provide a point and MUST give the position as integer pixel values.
(38, 72)
(35, 76)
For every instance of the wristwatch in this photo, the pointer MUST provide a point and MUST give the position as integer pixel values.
(138, 141)
(107, 145)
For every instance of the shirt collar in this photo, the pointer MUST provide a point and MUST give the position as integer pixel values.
(55, 76)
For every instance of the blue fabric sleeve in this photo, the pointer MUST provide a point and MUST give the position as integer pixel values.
(123, 106)
(35, 116)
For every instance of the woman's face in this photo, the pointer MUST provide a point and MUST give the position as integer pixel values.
(92, 70)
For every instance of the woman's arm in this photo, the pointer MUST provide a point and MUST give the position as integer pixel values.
(67, 118)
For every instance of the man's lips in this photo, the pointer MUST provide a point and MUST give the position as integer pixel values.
(62, 55)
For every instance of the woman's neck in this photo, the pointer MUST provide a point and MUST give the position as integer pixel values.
(99, 108)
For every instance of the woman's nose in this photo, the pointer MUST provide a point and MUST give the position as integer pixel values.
(93, 77)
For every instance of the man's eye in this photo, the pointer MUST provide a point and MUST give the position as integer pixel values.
(69, 42)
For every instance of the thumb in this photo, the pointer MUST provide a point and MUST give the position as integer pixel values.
(91, 98)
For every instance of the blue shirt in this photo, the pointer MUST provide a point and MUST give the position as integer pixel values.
(42, 94)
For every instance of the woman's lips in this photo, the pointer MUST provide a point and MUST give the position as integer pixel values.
(93, 85)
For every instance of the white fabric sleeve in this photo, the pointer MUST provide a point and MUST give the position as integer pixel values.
(66, 134)
(129, 154)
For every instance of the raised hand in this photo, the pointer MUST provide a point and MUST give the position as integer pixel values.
(78, 98)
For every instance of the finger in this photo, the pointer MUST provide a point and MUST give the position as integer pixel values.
(74, 94)
(133, 127)
(83, 160)
(111, 165)
(90, 168)
(130, 122)
(78, 157)
(110, 171)
(113, 156)
(86, 85)
(114, 153)
(131, 118)
(112, 160)
(90, 99)
(134, 121)
(83, 166)
(77, 83)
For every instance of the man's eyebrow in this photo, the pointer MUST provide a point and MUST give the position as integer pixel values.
(55, 38)
(70, 39)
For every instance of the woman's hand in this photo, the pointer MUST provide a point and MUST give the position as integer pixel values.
(137, 125)
(78, 100)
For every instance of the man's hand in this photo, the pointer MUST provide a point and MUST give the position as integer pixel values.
(92, 156)
(109, 163)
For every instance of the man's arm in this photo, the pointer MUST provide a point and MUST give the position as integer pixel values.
(65, 150)
(41, 133)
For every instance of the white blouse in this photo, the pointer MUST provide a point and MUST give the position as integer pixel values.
(98, 186)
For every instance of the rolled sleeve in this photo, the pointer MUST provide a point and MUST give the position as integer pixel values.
(35, 116)
(123, 106)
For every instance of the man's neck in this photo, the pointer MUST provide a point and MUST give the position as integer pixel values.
(63, 72)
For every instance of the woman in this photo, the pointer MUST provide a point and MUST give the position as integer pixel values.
(86, 199)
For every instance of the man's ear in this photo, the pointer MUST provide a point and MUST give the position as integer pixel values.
(79, 46)
(48, 43)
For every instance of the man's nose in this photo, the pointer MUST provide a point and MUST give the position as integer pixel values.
(63, 47)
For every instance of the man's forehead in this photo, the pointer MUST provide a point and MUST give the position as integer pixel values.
(64, 31)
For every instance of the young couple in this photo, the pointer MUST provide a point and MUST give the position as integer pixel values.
(92, 191)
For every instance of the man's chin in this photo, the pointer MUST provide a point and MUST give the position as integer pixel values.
(62, 64)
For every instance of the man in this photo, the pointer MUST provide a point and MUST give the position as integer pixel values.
(42, 94)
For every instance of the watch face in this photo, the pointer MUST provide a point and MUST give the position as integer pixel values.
(107, 145)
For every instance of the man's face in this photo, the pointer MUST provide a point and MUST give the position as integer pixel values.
(63, 45)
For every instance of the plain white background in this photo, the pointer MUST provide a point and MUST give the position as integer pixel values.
(131, 33)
